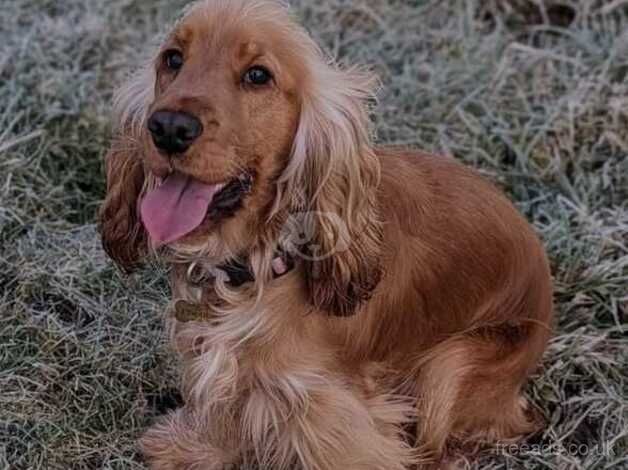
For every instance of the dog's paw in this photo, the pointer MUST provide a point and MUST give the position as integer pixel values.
(171, 444)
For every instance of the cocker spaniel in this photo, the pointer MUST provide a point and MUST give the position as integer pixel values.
(335, 305)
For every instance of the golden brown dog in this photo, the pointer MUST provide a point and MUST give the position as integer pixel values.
(336, 306)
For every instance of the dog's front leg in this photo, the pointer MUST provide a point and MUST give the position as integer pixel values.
(331, 428)
(182, 441)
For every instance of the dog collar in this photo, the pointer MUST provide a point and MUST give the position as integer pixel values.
(238, 273)
(237, 270)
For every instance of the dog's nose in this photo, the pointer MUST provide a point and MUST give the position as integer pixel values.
(174, 132)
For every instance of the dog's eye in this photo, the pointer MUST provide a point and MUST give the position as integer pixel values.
(173, 60)
(257, 75)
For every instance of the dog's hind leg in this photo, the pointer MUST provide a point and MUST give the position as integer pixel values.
(470, 388)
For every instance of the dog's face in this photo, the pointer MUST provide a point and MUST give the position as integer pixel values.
(239, 124)
(220, 127)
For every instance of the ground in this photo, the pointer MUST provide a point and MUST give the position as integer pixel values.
(535, 97)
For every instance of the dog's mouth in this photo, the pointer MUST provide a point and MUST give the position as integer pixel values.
(181, 203)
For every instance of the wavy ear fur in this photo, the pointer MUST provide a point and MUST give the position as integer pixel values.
(123, 235)
(332, 177)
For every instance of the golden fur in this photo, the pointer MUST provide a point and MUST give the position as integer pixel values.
(419, 327)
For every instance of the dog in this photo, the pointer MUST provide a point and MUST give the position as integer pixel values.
(335, 305)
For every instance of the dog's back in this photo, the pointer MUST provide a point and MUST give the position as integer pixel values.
(464, 308)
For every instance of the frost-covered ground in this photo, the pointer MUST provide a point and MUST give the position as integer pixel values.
(535, 98)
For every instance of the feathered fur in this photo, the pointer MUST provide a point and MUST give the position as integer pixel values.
(420, 301)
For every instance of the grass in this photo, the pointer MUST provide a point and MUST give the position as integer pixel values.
(537, 98)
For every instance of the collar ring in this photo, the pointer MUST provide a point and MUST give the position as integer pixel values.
(196, 275)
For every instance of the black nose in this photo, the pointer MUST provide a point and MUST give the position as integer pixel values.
(174, 132)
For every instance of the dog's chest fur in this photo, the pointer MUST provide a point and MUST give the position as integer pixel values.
(229, 372)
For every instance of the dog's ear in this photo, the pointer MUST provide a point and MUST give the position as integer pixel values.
(123, 236)
(332, 179)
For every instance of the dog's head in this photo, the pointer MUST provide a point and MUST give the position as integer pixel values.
(238, 125)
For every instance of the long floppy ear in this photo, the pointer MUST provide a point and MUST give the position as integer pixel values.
(123, 236)
(332, 178)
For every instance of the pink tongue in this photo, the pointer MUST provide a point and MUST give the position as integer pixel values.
(176, 208)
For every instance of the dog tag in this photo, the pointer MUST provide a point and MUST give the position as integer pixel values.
(186, 312)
